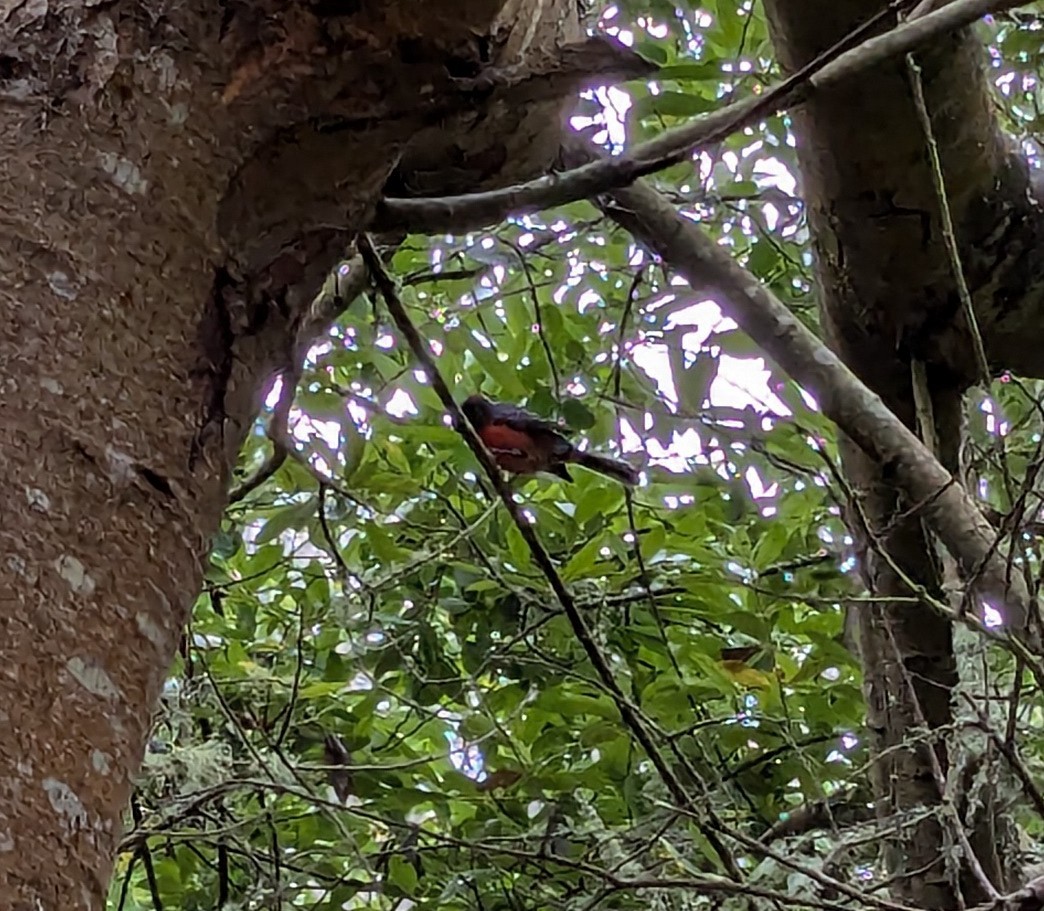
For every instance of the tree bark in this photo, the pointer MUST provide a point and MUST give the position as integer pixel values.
(889, 298)
(175, 182)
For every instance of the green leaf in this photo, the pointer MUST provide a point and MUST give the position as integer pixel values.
(695, 382)
(322, 406)
(293, 515)
(521, 556)
(690, 72)
(475, 727)
(673, 104)
(652, 52)
(402, 875)
(583, 560)
(577, 415)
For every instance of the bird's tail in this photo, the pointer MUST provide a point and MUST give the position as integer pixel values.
(612, 468)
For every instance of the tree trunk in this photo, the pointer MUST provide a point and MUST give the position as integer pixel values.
(176, 181)
(888, 300)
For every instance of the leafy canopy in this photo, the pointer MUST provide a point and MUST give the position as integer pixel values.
(380, 702)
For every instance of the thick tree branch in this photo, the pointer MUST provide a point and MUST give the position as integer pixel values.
(859, 412)
(838, 63)
(347, 281)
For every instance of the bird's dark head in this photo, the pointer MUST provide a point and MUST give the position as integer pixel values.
(477, 409)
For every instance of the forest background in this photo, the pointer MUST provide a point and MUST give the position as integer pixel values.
(795, 667)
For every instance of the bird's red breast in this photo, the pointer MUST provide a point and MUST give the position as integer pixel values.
(514, 450)
(500, 436)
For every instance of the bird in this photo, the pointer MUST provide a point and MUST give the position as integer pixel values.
(522, 443)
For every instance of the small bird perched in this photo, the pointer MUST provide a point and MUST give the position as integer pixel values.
(523, 443)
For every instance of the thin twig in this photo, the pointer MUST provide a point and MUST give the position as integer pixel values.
(295, 690)
(538, 316)
(1010, 752)
(828, 882)
(695, 885)
(644, 579)
(125, 888)
(946, 804)
(949, 234)
(146, 859)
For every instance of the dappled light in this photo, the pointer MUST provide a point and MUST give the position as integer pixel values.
(385, 701)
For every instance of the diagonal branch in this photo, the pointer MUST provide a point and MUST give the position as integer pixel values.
(857, 411)
(840, 62)
(630, 714)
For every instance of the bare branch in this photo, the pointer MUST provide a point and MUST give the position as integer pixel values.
(846, 809)
(840, 62)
